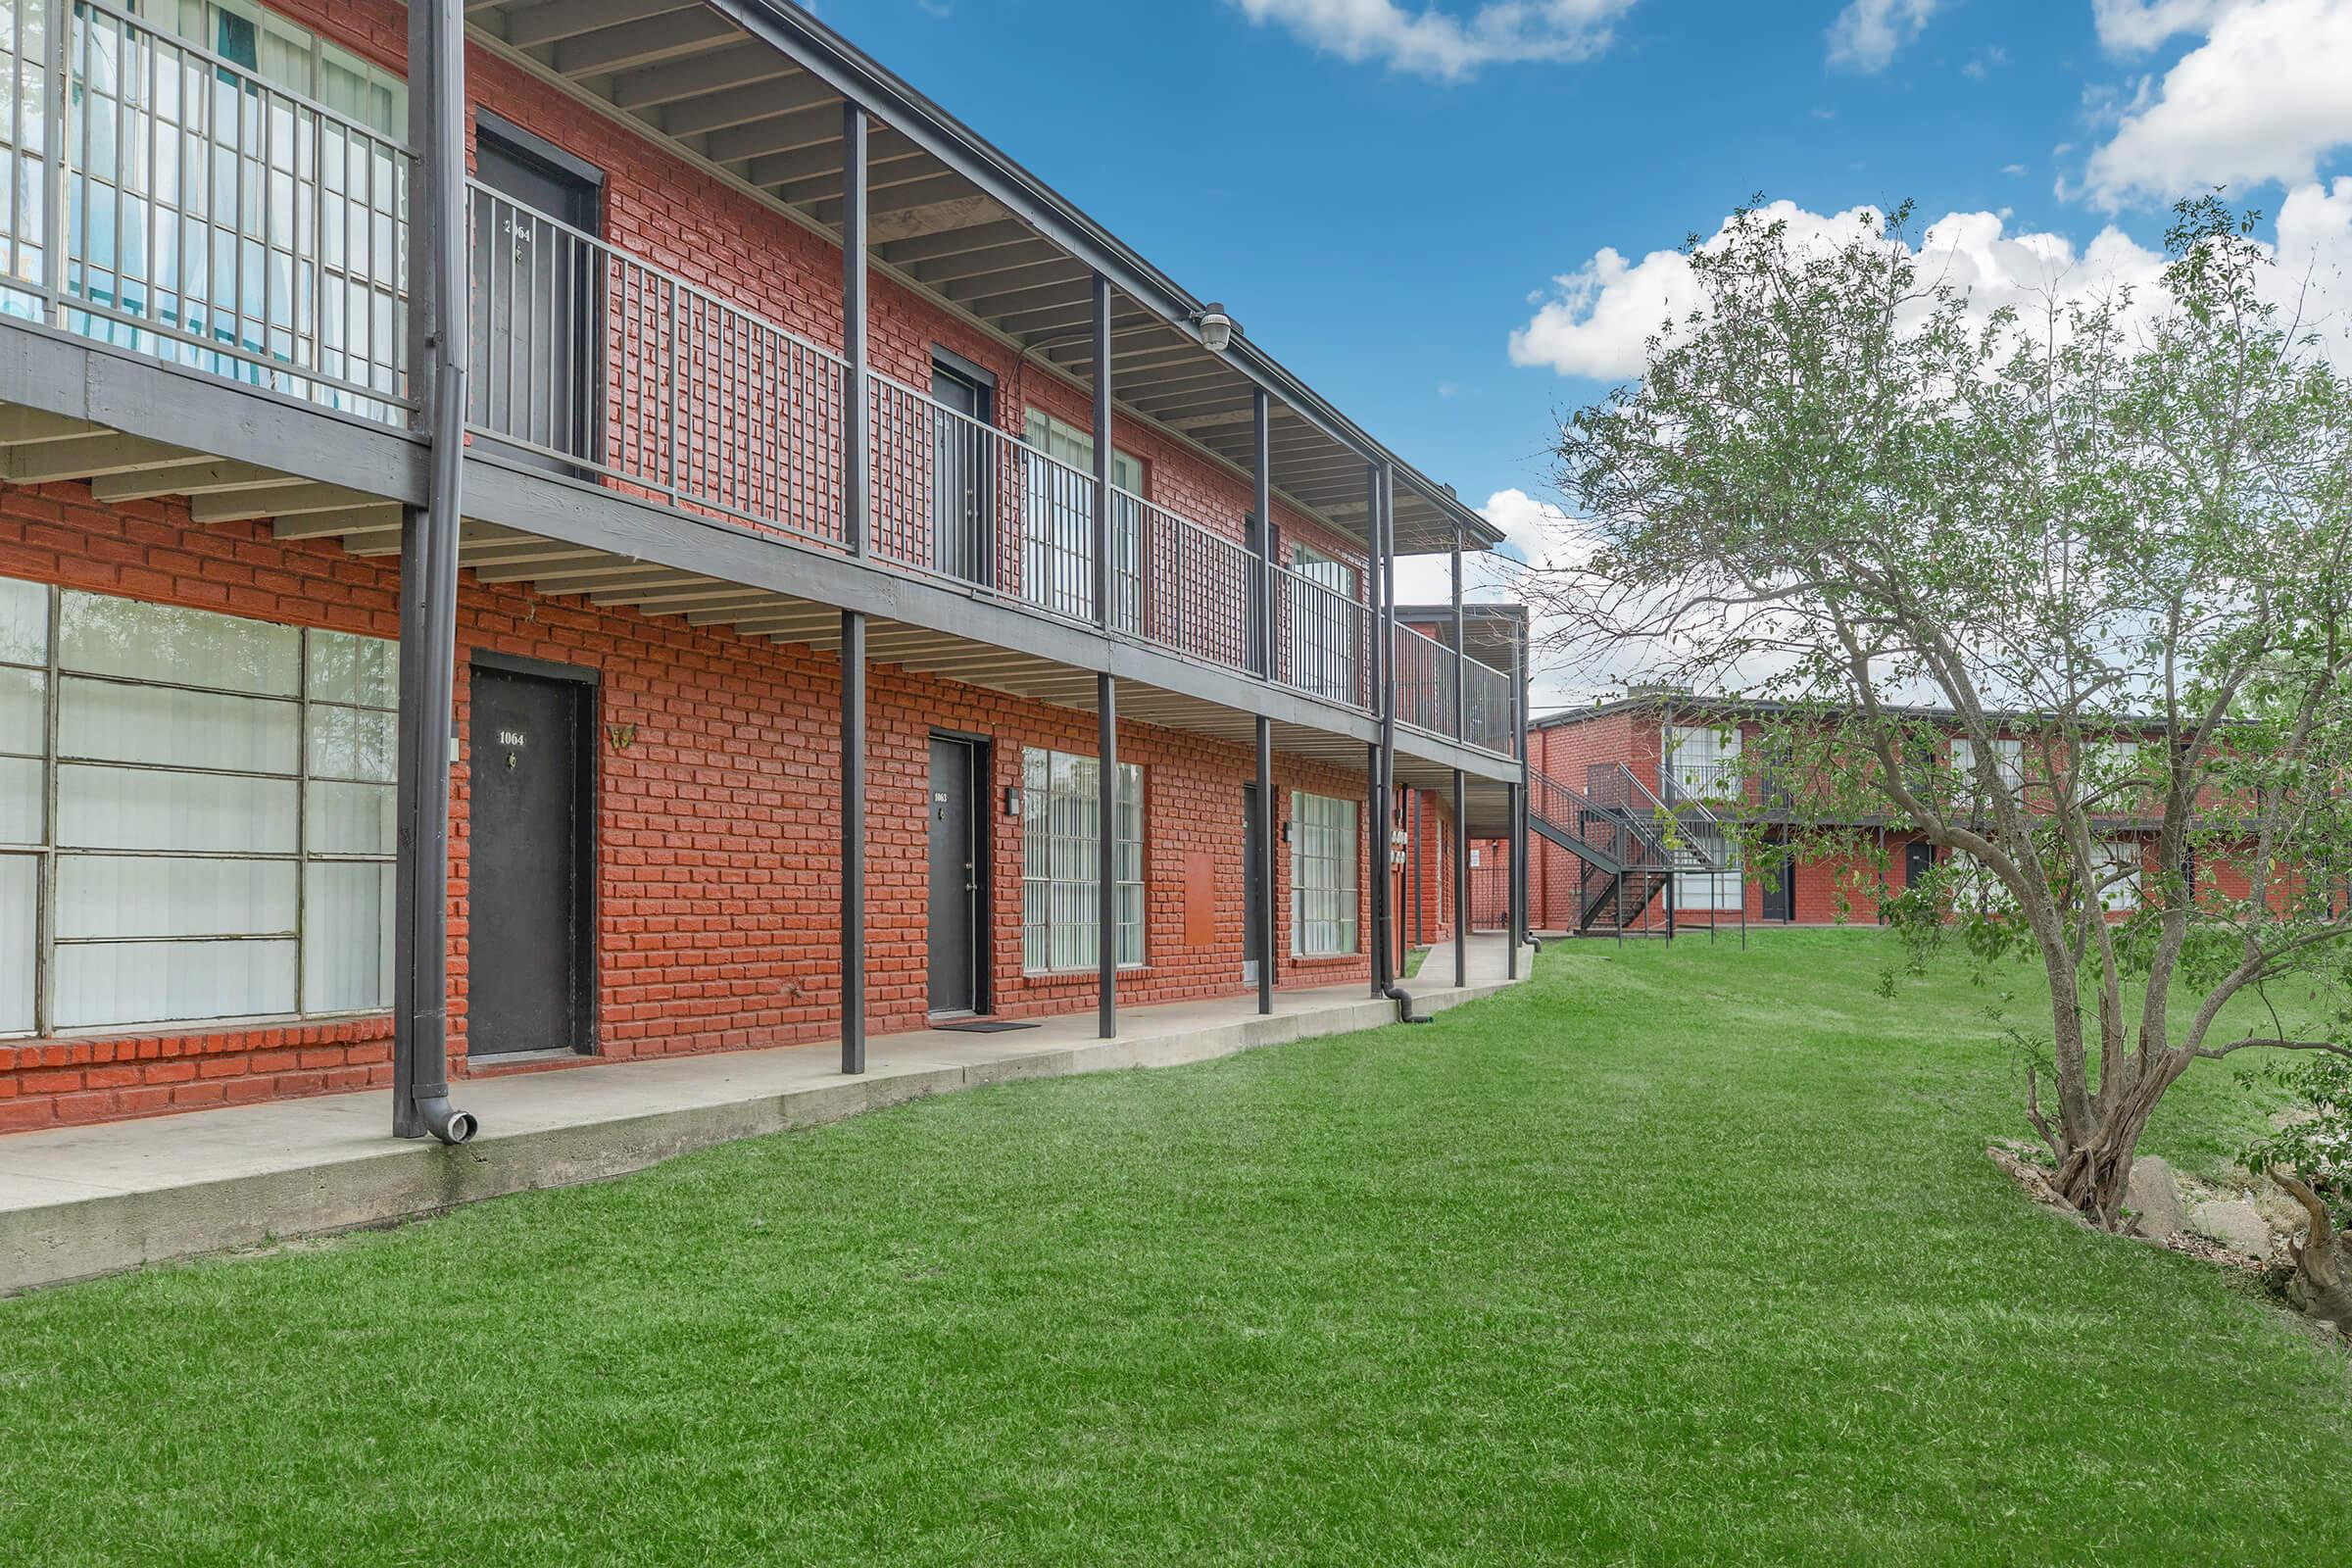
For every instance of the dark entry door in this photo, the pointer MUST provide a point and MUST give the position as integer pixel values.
(536, 300)
(1780, 892)
(962, 485)
(1919, 857)
(529, 850)
(1253, 888)
(954, 877)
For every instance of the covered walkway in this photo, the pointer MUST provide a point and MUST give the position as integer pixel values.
(77, 1201)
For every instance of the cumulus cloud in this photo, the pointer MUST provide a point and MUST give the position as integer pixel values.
(1605, 312)
(1441, 44)
(1869, 33)
(2264, 97)
(2135, 27)
(1598, 318)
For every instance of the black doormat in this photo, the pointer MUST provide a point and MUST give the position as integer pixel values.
(984, 1026)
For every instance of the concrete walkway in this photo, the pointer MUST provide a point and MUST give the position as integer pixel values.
(76, 1202)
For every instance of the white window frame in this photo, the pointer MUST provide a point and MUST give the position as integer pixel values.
(1058, 533)
(1322, 628)
(1060, 852)
(2117, 854)
(2008, 763)
(1325, 838)
(1696, 760)
(311, 715)
(1724, 889)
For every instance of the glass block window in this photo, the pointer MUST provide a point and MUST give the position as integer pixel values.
(1322, 875)
(195, 815)
(1061, 856)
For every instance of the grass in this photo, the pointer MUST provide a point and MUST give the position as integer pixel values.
(1680, 1255)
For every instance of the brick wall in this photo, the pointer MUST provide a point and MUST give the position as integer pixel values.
(666, 210)
(718, 841)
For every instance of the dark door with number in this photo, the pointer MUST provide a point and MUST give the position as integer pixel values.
(1253, 888)
(962, 474)
(529, 848)
(954, 877)
(1919, 858)
(536, 296)
(1780, 892)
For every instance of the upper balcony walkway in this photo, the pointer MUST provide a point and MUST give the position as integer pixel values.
(229, 257)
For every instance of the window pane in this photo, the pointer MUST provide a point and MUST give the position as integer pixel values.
(351, 820)
(107, 636)
(352, 743)
(153, 982)
(23, 622)
(20, 803)
(123, 808)
(347, 938)
(108, 721)
(20, 877)
(20, 705)
(146, 896)
(345, 668)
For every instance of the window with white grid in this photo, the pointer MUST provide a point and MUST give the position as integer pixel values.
(195, 815)
(1061, 859)
(1322, 875)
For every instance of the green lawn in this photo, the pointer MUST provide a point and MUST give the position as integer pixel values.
(1685, 1254)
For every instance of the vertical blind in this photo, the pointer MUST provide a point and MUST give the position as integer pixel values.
(195, 815)
(1061, 856)
(1322, 875)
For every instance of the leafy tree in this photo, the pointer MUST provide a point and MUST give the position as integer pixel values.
(2066, 591)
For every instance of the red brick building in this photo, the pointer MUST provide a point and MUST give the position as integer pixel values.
(1599, 776)
(820, 501)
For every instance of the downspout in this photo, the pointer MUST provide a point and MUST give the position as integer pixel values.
(1385, 530)
(429, 584)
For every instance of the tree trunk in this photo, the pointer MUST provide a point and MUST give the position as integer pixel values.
(2094, 1172)
(2094, 1175)
(2322, 1285)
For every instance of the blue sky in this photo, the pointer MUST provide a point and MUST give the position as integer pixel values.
(1384, 191)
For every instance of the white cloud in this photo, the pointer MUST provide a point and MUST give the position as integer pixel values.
(1869, 33)
(2264, 97)
(1600, 321)
(2135, 27)
(1441, 44)
(1604, 313)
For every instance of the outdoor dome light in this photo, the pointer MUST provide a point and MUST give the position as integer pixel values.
(1216, 327)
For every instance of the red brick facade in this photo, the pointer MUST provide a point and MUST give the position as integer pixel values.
(717, 849)
(1828, 889)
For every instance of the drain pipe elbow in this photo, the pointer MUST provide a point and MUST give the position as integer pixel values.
(442, 1119)
(1404, 1004)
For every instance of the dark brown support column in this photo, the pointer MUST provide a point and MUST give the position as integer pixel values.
(1261, 469)
(856, 440)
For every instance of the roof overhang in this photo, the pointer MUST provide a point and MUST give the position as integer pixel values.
(754, 90)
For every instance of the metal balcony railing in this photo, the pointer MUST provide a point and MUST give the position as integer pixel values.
(1426, 697)
(167, 200)
(1322, 639)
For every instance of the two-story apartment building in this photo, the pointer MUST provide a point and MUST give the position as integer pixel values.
(1604, 780)
(562, 529)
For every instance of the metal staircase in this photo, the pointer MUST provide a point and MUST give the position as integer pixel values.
(1624, 860)
(1629, 845)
